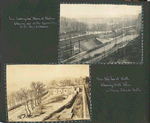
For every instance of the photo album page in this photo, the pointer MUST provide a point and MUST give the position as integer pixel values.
(74, 61)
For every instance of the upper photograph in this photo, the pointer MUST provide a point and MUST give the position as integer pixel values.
(100, 33)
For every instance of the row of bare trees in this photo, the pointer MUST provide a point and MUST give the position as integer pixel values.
(114, 24)
(30, 98)
(71, 25)
(68, 82)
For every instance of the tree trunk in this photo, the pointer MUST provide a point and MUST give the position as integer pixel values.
(35, 102)
(32, 106)
(28, 109)
(40, 99)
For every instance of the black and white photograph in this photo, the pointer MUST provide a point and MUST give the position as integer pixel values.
(100, 33)
(44, 92)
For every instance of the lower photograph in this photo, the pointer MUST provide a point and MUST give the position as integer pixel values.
(47, 92)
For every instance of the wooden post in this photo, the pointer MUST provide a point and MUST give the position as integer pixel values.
(116, 42)
(70, 48)
(79, 46)
(62, 53)
(73, 48)
(104, 51)
(84, 108)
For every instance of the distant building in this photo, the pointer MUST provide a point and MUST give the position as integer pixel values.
(64, 90)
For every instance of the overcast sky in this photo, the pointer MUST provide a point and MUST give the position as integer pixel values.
(19, 76)
(95, 10)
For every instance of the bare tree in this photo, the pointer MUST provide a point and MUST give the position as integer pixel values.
(34, 88)
(13, 98)
(25, 95)
(31, 96)
(9, 100)
(52, 83)
(38, 89)
(19, 97)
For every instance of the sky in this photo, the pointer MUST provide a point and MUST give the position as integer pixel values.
(20, 76)
(96, 10)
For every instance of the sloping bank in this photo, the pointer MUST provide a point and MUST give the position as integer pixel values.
(65, 106)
